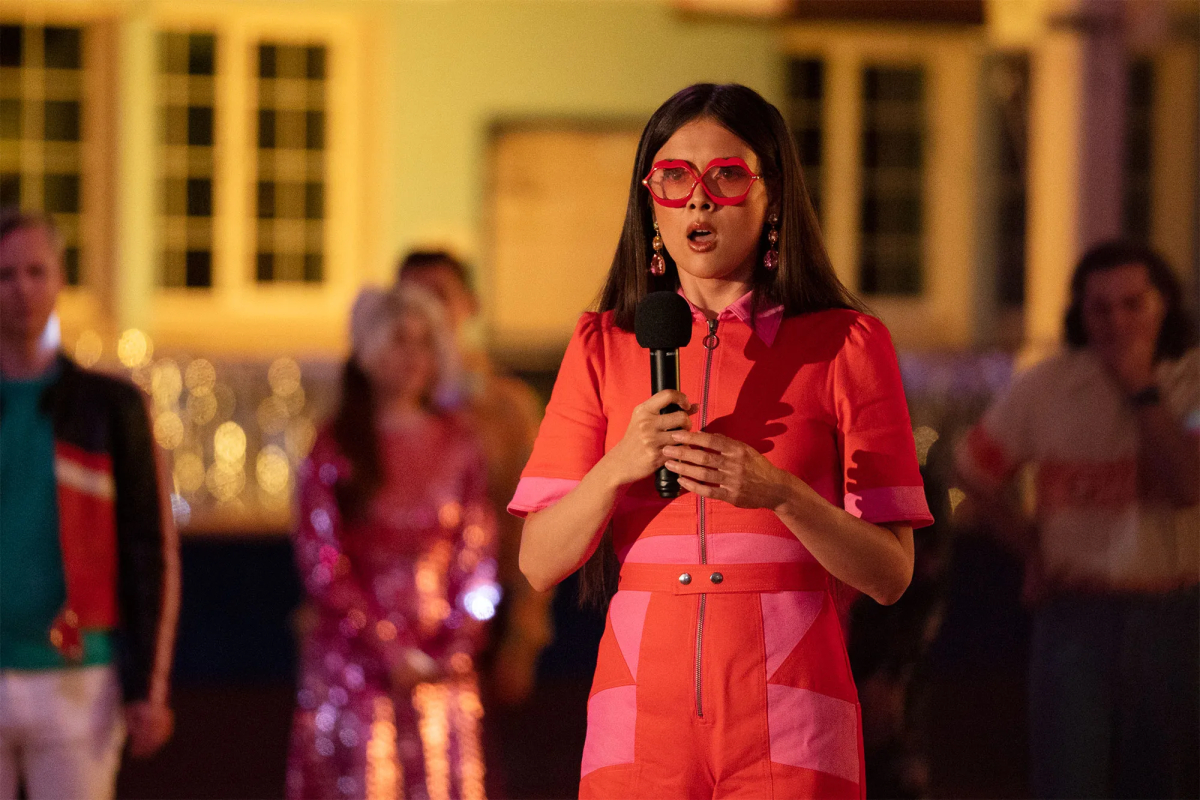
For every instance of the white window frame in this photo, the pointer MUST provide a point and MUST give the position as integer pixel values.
(941, 316)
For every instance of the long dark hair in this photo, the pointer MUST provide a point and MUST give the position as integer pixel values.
(352, 428)
(353, 431)
(803, 282)
(1178, 332)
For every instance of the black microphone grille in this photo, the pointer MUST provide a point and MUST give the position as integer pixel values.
(663, 321)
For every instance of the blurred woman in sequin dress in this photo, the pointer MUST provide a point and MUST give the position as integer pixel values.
(395, 545)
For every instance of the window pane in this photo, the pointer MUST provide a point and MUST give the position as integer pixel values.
(290, 184)
(806, 99)
(187, 88)
(62, 121)
(10, 119)
(62, 194)
(41, 125)
(64, 48)
(891, 210)
(199, 268)
(199, 197)
(1139, 141)
(202, 54)
(11, 45)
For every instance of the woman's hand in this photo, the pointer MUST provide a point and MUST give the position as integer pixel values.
(640, 451)
(712, 465)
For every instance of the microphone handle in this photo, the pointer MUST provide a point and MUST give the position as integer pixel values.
(664, 374)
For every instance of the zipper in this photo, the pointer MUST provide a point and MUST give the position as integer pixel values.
(710, 343)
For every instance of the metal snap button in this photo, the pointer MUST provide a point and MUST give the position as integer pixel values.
(716, 577)
(685, 579)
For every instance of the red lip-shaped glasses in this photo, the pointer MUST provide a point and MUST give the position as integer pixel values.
(726, 181)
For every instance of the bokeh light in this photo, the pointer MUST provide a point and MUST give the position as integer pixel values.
(200, 376)
(226, 401)
(299, 437)
(88, 348)
(284, 376)
(189, 472)
(273, 470)
(226, 480)
(166, 383)
(272, 415)
(229, 443)
(202, 408)
(168, 430)
(134, 348)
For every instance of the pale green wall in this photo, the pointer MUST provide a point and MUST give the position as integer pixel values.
(457, 68)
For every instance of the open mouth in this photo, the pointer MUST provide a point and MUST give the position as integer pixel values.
(700, 235)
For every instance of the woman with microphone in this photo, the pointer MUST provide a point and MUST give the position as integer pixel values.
(722, 669)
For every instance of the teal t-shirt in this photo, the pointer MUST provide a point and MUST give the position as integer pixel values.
(33, 586)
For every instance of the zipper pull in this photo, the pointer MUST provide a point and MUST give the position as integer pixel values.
(712, 340)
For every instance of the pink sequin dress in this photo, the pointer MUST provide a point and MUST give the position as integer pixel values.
(419, 573)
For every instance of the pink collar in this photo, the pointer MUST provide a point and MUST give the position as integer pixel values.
(766, 321)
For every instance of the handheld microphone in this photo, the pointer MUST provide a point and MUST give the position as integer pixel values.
(663, 324)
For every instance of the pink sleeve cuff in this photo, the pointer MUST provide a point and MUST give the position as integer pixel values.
(535, 494)
(891, 504)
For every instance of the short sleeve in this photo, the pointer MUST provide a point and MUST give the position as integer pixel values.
(571, 438)
(1181, 387)
(1001, 442)
(881, 477)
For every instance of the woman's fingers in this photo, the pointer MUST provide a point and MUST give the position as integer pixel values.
(693, 471)
(709, 441)
(672, 421)
(693, 455)
(666, 397)
(703, 489)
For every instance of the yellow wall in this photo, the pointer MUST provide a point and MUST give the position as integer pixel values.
(460, 67)
(416, 90)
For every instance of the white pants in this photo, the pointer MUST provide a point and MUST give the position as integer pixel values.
(61, 733)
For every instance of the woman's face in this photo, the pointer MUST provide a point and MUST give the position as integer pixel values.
(707, 240)
(405, 365)
(1122, 309)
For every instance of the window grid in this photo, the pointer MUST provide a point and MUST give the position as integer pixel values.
(290, 189)
(806, 95)
(893, 142)
(41, 127)
(1138, 149)
(187, 86)
(1008, 116)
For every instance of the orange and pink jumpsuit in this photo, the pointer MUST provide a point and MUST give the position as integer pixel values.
(722, 671)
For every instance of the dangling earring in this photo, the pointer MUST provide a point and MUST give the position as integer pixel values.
(658, 266)
(771, 257)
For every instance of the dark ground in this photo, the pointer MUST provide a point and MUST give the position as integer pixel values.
(233, 686)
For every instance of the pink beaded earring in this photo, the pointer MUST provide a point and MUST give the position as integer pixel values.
(658, 266)
(771, 257)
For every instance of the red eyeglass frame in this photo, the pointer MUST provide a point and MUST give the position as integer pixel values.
(698, 178)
